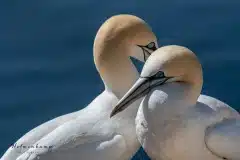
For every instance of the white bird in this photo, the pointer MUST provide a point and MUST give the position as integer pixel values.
(170, 123)
(90, 133)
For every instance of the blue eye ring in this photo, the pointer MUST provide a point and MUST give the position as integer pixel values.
(151, 46)
(159, 74)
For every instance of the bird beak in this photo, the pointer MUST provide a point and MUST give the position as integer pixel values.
(138, 90)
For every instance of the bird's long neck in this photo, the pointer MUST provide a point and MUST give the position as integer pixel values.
(116, 70)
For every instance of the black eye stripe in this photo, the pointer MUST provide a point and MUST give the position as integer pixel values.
(144, 53)
(157, 75)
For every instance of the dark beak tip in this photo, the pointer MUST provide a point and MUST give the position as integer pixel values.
(113, 113)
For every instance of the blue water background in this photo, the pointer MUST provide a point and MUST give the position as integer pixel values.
(46, 60)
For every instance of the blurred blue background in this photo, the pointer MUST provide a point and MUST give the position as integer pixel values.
(46, 60)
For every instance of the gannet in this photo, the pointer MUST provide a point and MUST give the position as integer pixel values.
(170, 123)
(90, 133)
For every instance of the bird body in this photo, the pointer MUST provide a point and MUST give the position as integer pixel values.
(170, 129)
(90, 136)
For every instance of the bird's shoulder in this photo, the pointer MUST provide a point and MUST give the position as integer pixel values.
(86, 127)
(69, 136)
(39, 132)
(218, 106)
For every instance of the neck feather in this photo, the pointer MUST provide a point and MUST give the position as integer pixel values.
(116, 70)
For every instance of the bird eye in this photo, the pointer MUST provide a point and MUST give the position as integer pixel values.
(151, 46)
(159, 74)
